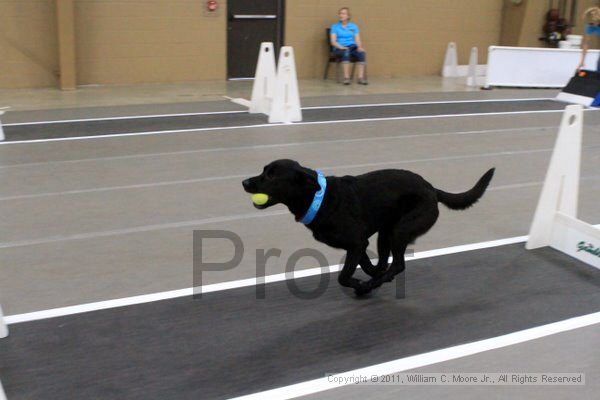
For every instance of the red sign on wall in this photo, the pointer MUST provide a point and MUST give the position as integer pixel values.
(212, 5)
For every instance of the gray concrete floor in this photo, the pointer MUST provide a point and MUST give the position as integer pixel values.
(92, 220)
(576, 351)
(191, 92)
(48, 111)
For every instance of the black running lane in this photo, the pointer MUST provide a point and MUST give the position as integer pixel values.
(231, 343)
(144, 124)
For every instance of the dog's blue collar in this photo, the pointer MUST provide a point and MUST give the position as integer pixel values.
(317, 200)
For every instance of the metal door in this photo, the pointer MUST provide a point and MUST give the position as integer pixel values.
(250, 22)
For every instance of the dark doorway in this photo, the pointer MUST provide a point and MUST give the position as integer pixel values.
(250, 22)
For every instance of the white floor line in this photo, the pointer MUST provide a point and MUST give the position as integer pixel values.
(251, 173)
(217, 287)
(421, 360)
(415, 103)
(244, 112)
(531, 184)
(295, 124)
(123, 187)
(139, 229)
(288, 144)
(187, 223)
(200, 180)
(125, 117)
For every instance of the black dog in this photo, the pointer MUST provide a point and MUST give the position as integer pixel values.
(400, 205)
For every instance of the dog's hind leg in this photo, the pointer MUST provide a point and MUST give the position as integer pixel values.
(372, 270)
(345, 278)
(384, 246)
(412, 225)
(383, 250)
(395, 268)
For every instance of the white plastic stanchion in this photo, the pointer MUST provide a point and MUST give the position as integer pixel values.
(2, 111)
(2, 394)
(450, 68)
(265, 79)
(472, 72)
(275, 89)
(3, 327)
(286, 102)
(555, 223)
(3, 334)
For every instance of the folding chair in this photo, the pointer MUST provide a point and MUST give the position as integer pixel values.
(337, 60)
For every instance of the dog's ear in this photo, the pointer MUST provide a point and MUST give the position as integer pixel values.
(306, 177)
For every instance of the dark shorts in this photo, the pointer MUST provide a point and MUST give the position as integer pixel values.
(351, 53)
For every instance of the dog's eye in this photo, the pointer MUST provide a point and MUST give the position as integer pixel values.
(269, 174)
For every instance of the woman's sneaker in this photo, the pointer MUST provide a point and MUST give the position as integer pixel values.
(346, 81)
(363, 82)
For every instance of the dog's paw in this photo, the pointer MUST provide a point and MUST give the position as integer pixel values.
(378, 274)
(362, 290)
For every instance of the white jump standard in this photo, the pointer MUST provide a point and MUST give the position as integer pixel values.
(555, 223)
(2, 137)
(452, 69)
(265, 79)
(3, 334)
(3, 327)
(275, 89)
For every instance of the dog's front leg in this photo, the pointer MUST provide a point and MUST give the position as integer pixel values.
(345, 277)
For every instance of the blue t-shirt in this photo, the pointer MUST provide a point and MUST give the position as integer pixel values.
(345, 34)
(591, 29)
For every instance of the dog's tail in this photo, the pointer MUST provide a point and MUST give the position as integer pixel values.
(461, 201)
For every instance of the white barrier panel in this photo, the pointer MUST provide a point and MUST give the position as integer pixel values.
(3, 334)
(577, 239)
(3, 327)
(2, 111)
(265, 78)
(534, 67)
(286, 102)
(575, 99)
(555, 222)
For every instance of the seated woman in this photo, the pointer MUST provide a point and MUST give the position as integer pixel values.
(345, 39)
(592, 16)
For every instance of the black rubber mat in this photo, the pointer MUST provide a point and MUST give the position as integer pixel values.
(144, 124)
(231, 343)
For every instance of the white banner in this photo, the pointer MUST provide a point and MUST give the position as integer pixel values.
(535, 67)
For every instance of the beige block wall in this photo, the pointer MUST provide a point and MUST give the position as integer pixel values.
(407, 37)
(149, 41)
(522, 24)
(28, 45)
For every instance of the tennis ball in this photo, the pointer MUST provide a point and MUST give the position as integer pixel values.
(260, 199)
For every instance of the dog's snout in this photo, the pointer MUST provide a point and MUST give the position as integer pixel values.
(251, 185)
